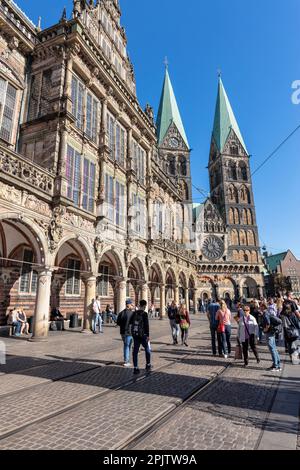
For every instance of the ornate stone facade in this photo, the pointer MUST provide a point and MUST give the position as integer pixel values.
(87, 194)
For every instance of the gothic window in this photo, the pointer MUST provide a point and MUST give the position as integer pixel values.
(109, 197)
(172, 165)
(8, 96)
(233, 196)
(120, 204)
(28, 278)
(73, 277)
(232, 173)
(183, 166)
(139, 161)
(236, 217)
(140, 215)
(249, 217)
(243, 171)
(254, 257)
(88, 195)
(103, 281)
(251, 237)
(244, 217)
(246, 258)
(243, 239)
(234, 150)
(231, 216)
(234, 237)
(80, 174)
(235, 255)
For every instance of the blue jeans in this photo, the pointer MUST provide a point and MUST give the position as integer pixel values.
(222, 345)
(228, 335)
(273, 350)
(175, 330)
(213, 332)
(17, 328)
(137, 342)
(127, 340)
(97, 320)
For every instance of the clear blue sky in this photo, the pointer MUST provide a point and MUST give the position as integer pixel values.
(256, 44)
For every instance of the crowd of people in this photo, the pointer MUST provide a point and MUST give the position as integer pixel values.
(275, 321)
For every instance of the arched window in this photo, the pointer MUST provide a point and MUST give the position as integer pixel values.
(232, 171)
(244, 217)
(243, 239)
(234, 150)
(236, 217)
(183, 166)
(243, 171)
(234, 237)
(172, 165)
(249, 217)
(251, 237)
(231, 216)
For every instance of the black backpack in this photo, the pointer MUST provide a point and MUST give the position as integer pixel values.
(138, 325)
(276, 324)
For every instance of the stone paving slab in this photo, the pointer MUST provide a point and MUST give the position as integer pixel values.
(226, 415)
(93, 425)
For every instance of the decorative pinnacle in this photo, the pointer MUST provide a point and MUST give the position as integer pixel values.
(64, 15)
(166, 62)
(219, 73)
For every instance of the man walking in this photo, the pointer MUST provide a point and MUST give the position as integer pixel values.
(270, 331)
(212, 309)
(140, 333)
(173, 317)
(97, 319)
(123, 321)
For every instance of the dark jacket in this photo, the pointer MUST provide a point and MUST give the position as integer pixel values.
(124, 321)
(172, 313)
(144, 319)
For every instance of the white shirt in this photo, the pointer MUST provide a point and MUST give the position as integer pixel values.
(97, 306)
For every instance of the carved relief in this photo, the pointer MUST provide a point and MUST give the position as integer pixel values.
(10, 193)
(55, 229)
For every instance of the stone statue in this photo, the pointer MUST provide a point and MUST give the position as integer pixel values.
(98, 247)
(149, 112)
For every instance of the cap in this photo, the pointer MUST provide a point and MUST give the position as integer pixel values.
(128, 302)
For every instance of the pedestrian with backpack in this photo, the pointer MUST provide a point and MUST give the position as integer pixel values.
(173, 318)
(271, 323)
(123, 321)
(291, 328)
(140, 332)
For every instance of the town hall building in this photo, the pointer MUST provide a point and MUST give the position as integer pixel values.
(96, 194)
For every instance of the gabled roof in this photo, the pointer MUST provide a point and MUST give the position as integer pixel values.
(274, 260)
(225, 120)
(168, 112)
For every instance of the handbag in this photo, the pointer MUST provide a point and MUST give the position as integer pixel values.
(221, 328)
(238, 352)
(184, 325)
(290, 331)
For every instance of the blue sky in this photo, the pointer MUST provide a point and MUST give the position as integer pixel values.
(256, 45)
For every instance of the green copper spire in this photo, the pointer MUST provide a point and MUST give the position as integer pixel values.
(225, 120)
(168, 112)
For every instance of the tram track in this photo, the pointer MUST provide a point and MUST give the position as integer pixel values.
(160, 421)
(122, 385)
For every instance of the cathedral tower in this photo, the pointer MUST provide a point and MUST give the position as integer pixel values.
(230, 183)
(172, 140)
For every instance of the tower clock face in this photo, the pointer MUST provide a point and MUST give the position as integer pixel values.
(174, 142)
(213, 248)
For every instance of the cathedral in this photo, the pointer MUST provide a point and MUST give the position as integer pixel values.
(96, 194)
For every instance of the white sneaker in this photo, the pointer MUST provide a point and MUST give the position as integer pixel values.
(225, 356)
(127, 364)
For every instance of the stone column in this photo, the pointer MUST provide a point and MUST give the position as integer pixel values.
(162, 301)
(176, 296)
(42, 305)
(187, 298)
(121, 300)
(90, 295)
(145, 292)
(195, 301)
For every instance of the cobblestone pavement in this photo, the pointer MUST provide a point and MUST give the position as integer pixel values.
(76, 388)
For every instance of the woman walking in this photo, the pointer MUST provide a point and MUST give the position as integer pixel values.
(247, 334)
(223, 316)
(291, 329)
(184, 324)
